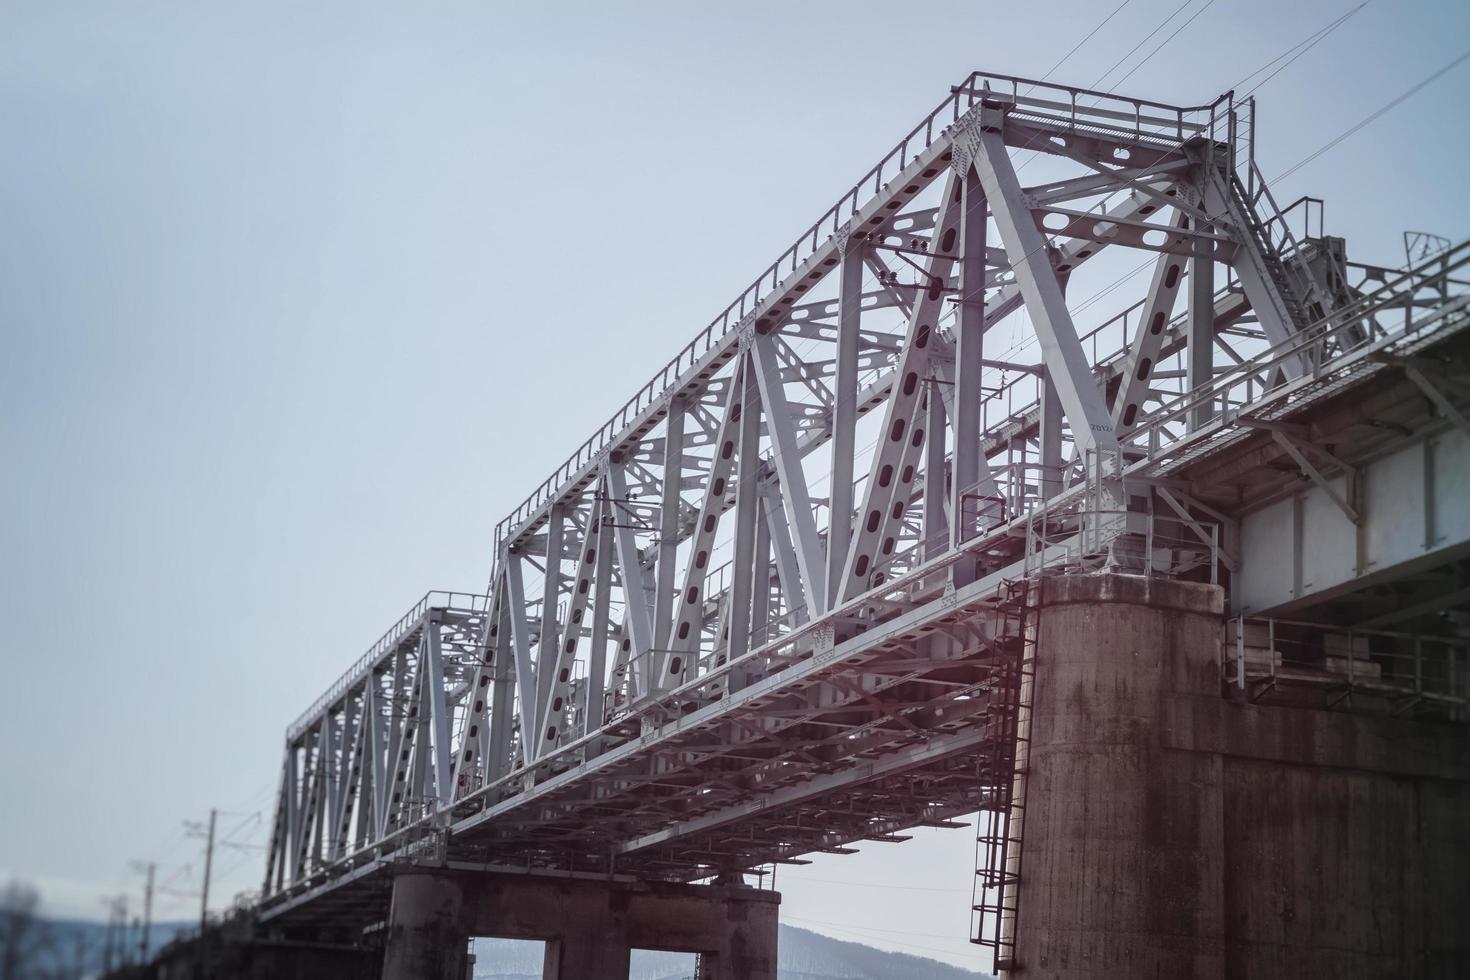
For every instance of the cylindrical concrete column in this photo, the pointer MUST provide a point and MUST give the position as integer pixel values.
(748, 943)
(427, 937)
(1121, 858)
(588, 954)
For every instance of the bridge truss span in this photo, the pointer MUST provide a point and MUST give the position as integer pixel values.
(776, 605)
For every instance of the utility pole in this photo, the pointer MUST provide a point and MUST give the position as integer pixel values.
(208, 864)
(148, 868)
(107, 939)
(204, 891)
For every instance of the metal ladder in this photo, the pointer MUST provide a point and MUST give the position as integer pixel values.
(996, 901)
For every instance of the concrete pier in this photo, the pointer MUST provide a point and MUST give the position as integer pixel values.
(1174, 832)
(589, 926)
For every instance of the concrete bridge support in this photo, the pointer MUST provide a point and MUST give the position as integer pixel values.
(1175, 832)
(589, 926)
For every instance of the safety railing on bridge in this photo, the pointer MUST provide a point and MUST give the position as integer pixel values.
(1277, 368)
(1397, 672)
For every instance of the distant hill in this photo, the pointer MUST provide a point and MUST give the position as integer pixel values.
(803, 955)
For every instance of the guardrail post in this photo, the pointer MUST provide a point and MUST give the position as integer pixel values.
(1240, 653)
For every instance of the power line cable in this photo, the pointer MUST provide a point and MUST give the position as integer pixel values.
(1144, 40)
(1414, 89)
(1101, 24)
(1207, 6)
(1301, 48)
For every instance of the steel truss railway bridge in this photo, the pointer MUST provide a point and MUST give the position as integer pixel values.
(787, 597)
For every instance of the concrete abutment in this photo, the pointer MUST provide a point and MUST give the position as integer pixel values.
(1174, 832)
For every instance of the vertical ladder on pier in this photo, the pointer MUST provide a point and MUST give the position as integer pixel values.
(998, 872)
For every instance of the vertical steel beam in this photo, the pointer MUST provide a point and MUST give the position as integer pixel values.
(378, 745)
(597, 652)
(747, 503)
(502, 693)
(372, 764)
(668, 537)
(896, 458)
(969, 333)
(760, 579)
(401, 705)
(844, 411)
(520, 635)
(548, 642)
(437, 715)
(1049, 439)
(1200, 353)
(348, 778)
(936, 523)
(292, 789)
(795, 495)
(783, 553)
(638, 598)
(469, 755)
(334, 732)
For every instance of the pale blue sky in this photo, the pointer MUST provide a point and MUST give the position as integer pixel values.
(298, 299)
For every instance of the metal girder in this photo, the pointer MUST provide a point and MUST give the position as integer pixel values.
(548, 730)
(886, 493)
(669, 514)
(1431, 391)
(1254, 266)
(795, 496)
(1194, 525)
(469, 754)
(592, 712)
(1148, 337)
(844, 411)
(546, 642)
(937, 523)
(520, 638)
(968, 462)
(637, 595)
(431, 680)
(739, 596)
(783, 552)
(1199, 352)
(353, 740)
(689, 612)
(1092, 429)
(1310, 470)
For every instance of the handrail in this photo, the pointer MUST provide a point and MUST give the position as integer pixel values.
(1388, 296)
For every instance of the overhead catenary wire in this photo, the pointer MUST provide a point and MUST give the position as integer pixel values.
(1299, 49)
(1366, 120)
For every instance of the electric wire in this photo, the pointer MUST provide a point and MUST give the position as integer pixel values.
(1300, 48)
(1366, 120)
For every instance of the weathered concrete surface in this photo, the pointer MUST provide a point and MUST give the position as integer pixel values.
(1172, 833)
(590, 926)
(426, 938)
